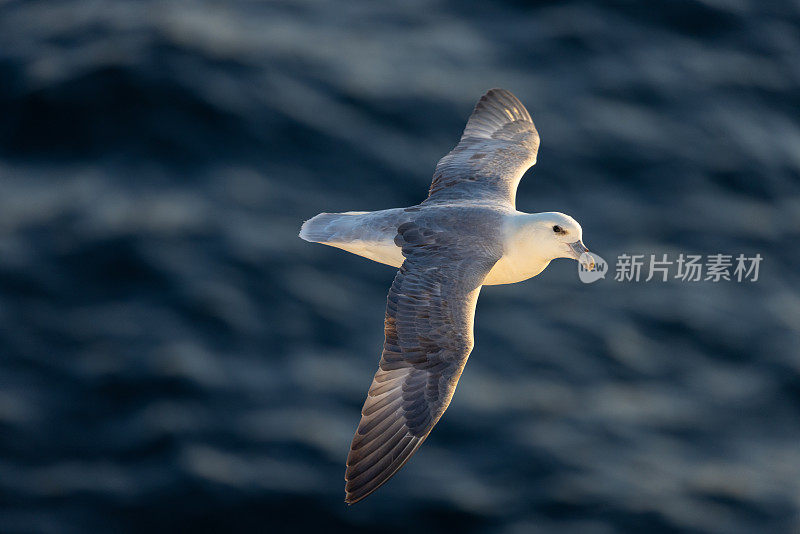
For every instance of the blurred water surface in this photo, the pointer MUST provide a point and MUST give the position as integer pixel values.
(174, 358)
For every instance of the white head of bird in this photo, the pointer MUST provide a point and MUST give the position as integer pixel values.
(533, 240)
(557, 235)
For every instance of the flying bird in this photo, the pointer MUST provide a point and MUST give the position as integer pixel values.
(466, 234)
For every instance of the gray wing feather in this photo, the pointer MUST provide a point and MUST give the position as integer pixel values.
(498, 145)
(428, 327)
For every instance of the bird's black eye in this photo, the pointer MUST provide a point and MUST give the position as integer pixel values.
(557, 229)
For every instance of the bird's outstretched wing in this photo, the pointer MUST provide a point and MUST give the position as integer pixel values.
(498, 145)
(430, 312)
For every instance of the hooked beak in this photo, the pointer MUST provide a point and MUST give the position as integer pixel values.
(579, 250)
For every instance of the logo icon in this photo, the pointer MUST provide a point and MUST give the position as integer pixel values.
(591, 268)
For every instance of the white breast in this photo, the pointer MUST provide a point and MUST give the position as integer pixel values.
(510, 269)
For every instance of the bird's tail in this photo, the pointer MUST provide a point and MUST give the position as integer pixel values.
(326, 227)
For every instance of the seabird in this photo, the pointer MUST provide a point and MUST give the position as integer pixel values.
(466, 234)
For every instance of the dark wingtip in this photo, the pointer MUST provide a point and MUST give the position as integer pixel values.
(351, 502)
(495, 109)
(497, 90)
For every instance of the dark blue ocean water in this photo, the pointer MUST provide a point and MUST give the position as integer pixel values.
(174, 358)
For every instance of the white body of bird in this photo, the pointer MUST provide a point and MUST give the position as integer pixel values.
(527, 251)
